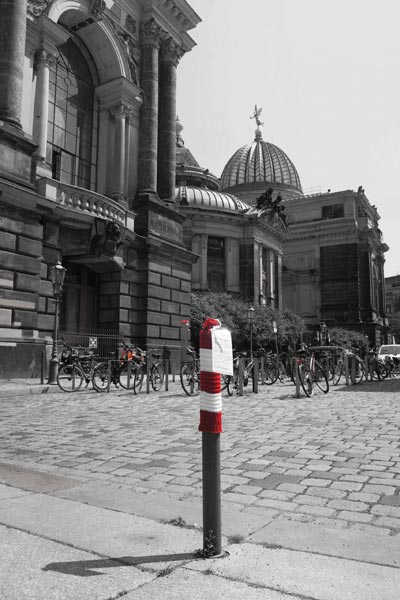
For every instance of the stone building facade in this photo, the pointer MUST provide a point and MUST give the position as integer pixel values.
(392, 285)
(259, 236)
(239, 243)
(87, 173)
(333, 268)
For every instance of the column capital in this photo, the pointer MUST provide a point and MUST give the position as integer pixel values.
(36, 8)
(42, 56)
(171, 51)
(120, 110)
(151, 33)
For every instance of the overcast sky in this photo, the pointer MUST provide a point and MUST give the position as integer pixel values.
(327, 75)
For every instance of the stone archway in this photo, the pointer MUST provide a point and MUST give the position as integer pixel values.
(87, 21)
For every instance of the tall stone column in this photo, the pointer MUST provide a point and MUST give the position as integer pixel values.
(149, 119)
(279, 302)
(170, 56)
(120, 113)
(41, 108)
(271, 278)
(204, 261)
(12, 52)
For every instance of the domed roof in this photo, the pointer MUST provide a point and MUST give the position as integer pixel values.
(260, 162)
(193, 197)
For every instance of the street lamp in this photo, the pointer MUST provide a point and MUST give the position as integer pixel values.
(250, 314)
(324, 333)
(275, 330)
(57, 273)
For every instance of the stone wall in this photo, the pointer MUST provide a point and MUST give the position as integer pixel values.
(20, 301)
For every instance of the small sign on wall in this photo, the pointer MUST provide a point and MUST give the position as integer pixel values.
(93, 342)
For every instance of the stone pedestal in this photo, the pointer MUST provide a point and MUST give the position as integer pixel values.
(15, 154)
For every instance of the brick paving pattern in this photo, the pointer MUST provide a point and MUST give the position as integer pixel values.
(331, 459)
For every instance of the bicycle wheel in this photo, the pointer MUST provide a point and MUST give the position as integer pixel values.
(70, 378)
(282, 373)
(231, 384)
(338, 372)
(306, 380)
(139, 377)
(189, 379)
(271, 373)
(379, 371)
(321, 379)
(224, 381)
(357, 373)
(100, 377)
(126, 375)
(157, 376)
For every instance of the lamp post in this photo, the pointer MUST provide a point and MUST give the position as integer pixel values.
(57, 273)
(275, 330)
(323, 333)
(250, 314)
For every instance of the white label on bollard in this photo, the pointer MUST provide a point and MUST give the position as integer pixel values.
(222, 357)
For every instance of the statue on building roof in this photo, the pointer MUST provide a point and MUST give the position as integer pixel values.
(272, 209)
(256, 116)
(265, 200)
(179, 128)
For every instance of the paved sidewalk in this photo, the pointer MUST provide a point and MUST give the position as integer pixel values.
(100, 495)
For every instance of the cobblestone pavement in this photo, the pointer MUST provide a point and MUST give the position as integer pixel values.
(332, 459)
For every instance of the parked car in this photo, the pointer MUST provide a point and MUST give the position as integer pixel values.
(389, 351)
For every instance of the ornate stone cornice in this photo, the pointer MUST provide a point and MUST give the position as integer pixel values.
(151, 33)
(36, 8)
(176, 13)
(171, 51)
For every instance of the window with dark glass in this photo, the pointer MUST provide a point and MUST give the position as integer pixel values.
(216, 264)
(72, 132)
(332, 211)
(246, 270)
(79, 306)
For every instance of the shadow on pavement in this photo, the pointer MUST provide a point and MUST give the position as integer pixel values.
(84, 568)
(372, 387)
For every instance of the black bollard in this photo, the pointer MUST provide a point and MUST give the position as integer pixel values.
(211, 456)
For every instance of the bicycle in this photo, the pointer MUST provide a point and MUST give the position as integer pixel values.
(232, 381)
(77, 365)
(272, 368)
(190, 374)
(311, 374)
(155, 372)
(119, 372)
(357, 370)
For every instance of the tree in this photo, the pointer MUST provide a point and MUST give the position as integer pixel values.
(232, 311)
(346, 337)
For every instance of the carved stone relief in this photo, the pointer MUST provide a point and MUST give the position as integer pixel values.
(36, 8)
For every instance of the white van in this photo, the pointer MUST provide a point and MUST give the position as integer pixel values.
(389, 351)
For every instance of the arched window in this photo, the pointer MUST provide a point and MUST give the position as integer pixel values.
(73, 116)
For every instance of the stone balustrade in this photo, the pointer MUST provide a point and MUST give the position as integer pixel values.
(85, 201)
